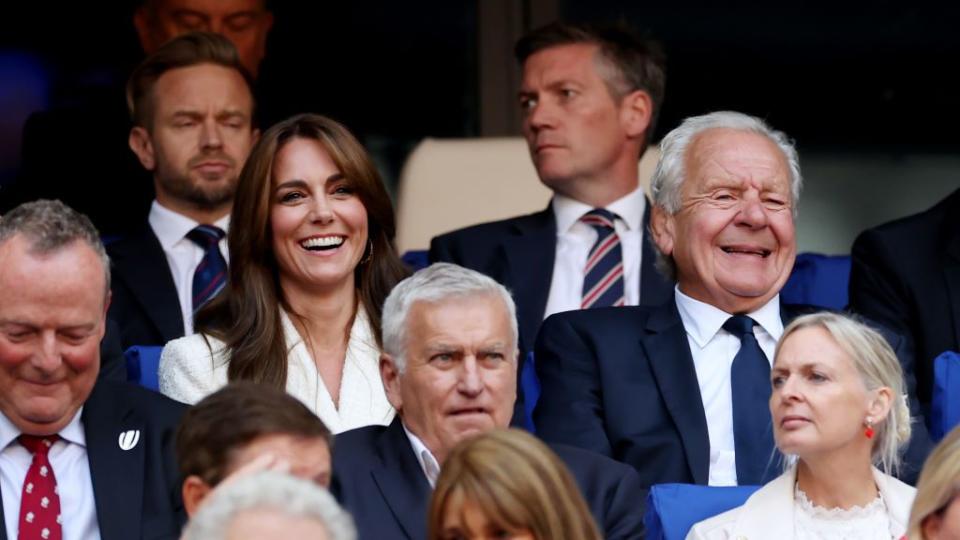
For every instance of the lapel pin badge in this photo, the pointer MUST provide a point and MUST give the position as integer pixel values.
(128, 439)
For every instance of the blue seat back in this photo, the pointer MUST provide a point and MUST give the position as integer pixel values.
(143, 364)
(416, 259)
(818, 280)
(945, 404)
(673, 509)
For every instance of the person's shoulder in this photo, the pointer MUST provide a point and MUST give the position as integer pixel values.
(190, 346)
(916, 230)
(493, 228)
(581, 460)
(357, 444)
(153, 404)
(718, 527)
(132, 245)
(606, 317)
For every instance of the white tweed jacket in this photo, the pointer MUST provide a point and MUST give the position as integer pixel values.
(194, 366)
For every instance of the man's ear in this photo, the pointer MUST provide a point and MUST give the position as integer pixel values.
(663, 227)
(391, 381)
(195, 490)
(141, 144)
(636, 112)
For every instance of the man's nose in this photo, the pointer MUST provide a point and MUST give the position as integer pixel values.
(752, 212)
(47, 357)
(210, 136)
(541, 115)
(471, 380)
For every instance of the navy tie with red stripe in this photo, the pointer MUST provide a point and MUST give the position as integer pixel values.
(211, 274)
(603, 273)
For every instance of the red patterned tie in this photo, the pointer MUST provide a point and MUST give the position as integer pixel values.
(39, 502)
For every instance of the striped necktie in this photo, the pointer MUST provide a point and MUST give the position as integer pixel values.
(603, 274)
(211, 274)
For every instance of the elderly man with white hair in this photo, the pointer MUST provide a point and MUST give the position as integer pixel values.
(450, 370)
(680, 391)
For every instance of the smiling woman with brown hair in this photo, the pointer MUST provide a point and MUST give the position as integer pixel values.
(311, 262)
(838, 413)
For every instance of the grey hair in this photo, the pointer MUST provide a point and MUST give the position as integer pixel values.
(269, 490)
(50, 226)
(435, 283)
(668, 178)
(878, 367)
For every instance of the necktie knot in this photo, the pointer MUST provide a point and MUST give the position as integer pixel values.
(739, 325)
(600, 219)
(206, 236)
(38, 445)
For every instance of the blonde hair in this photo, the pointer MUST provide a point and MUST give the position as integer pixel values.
(878, 367)
(517, 482)
(939, 483)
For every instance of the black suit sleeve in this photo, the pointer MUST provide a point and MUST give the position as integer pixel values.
(875, 290)
(625, 508)
(441, 250)
(570, 408)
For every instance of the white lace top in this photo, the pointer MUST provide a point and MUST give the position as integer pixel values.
(860, 522)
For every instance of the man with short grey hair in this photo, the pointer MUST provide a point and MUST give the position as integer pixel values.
(450, 370)
(79, 457)
(681, 391)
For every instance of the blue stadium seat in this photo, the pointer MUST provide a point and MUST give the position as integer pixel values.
(673, 509)
(530, 385)
(945, 404)
(143, 363)
(416, 259)
(818, 280)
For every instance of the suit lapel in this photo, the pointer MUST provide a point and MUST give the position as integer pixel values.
(143, 266)
(668, 351)
(951, 271)
(117, 474)
(526, 253)
(654, 288)
(402, 482)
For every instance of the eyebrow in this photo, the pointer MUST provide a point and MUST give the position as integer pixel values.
(300, 183)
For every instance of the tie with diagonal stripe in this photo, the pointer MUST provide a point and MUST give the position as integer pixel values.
(603, 273)
(211, 274)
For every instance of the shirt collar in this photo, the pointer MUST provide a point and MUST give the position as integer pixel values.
(629, 208)
(171, 227)
(702, 321)
(428, 463)
(72, 432)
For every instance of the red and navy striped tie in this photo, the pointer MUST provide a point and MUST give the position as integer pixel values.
(603, 274)
(211, 274)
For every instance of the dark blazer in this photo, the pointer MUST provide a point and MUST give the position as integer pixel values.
(621, 382)
(137, 491)
(145, 304)
(377, 478)
(906, 275)
(519, 253)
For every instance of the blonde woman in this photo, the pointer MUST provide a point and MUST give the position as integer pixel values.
(507, 484)
(936, 513)
(838, 414)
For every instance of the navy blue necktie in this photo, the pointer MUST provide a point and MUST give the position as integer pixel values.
(603, 274)
(750, 385)
(211, 274)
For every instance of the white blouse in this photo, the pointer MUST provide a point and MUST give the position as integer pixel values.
(812, 522)
(194, 366)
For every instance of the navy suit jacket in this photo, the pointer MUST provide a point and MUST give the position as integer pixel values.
(377, 478)
(906, 275)
(136, 491)
(519, 253)
(621, 382)
(144, 304)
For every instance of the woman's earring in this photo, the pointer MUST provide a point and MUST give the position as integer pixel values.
(868, 430)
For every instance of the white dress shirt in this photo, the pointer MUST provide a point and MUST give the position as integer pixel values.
(68, 457)
(713, 350)
(428, 463)
(183, 255)
(575, 239)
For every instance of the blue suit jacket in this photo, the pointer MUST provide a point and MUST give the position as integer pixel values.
(519, 253)
(377, 478)
(621, 382)
(136, 491)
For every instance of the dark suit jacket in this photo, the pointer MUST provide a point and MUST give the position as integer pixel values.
(906, 275)
(519, 253)
(137, 491)
(145, 304)
(621, 382)
(377, 478)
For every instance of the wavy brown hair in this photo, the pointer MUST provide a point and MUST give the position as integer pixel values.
(246, 314)
(517, 482)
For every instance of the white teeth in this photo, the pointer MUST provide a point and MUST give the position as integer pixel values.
(323, 241)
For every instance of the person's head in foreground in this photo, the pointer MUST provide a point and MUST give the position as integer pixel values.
(507, 484)
(450, 355)
(725, 194)
(936, 514)
(245, 428)
(270, 506)
(54, 293)
(311, 221)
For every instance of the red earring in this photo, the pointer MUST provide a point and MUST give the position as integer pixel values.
(868, 431)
